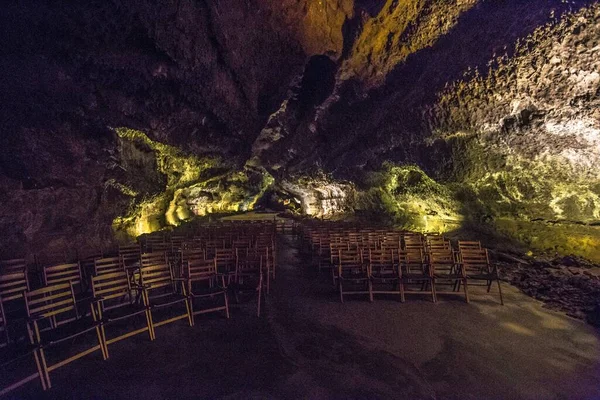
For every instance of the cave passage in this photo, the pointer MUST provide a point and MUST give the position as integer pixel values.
(370, 198)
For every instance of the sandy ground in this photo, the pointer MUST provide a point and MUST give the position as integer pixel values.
(308, 345)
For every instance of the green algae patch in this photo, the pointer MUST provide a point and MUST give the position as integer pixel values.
(169, 187)
(554, 238)
(407, 197)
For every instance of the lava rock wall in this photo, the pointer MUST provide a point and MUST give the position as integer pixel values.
(429, 114)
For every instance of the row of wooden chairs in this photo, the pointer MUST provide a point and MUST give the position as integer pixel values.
(130, 285)
(369, 258)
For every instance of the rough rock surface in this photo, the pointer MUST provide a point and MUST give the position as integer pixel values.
(568, 284)
(293, 89)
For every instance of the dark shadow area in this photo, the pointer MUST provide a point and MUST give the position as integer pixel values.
(317, 83)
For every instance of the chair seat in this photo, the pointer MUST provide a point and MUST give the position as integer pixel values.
(167, 300)
(122, 312)
(354, 277)
(15, 351)
(206, 291)
(68, 331)
(416, 277)
(387, 276)
(482, 277)
(448, 276)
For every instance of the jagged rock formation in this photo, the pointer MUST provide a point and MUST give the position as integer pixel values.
(238, 99)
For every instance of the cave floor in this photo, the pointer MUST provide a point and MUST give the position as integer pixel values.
(309, 345)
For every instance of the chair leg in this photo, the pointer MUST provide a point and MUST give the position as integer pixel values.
(102, 343)
(401, 285)
(500, 291)
(188, 307)
(259, 300)
(226, 304)
(370, 284)
(269, 280)
(45, 368)
(191, 299)
(149, 317)
(40, 371)
(466, 289)
(433, 293)
(341, 290)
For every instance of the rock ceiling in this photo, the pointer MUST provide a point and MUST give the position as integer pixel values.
(433, 115)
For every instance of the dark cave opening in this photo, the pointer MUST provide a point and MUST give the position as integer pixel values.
(317, 83)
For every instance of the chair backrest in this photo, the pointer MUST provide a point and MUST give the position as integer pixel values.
(413, 242)
(225, 259)
(112, 287)
(193, 254)
(200, 269)
(130, 253)
(177, 242)
(13, 284)
(335, 247)
(437, 242)
(155, 247)
(324, 245)
(391, 242)
(159, 257)
(14, 265)
(243, 243)
(108, 265)
(469, 245)
(250, 259)
(412, 261)
(475, 261)
(443, 261)
(215, 244)
(350, 258)
(211, 247)
(157, 276)
(385, 258)
(51, 302)
(63, 273)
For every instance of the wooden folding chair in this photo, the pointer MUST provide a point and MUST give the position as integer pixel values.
(159, 290)
(203, 282)
(226, 263)
(437, 243)
(55, 305)
(469, 245)
(9, 354)
(130, 254)
(477, 267)
(13, 282)
(384, 270)
(391, 242)
(158, 257)
(109, 265)
(114, 301)
(414, 271)
(162, 247)
(352, 270)
(14, 265)
(413, 241)
(64, 273)
(322, 252)
(447, 271)
(264, 240)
